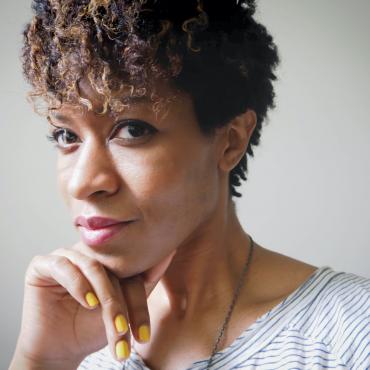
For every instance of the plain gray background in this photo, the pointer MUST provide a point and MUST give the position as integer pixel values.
(308, 190)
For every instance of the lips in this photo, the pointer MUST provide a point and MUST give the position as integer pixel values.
(95, 231)
(96, 222)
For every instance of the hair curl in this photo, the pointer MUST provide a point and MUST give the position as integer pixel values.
(214, 50)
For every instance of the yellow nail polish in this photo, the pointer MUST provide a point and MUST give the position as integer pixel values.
(121, 324)
(91, 299)
(122, 350)
(144, 333)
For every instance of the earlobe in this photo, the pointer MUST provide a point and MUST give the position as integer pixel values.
(236, 139)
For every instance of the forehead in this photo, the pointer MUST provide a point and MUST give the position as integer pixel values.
(128, 93)
(158, 100)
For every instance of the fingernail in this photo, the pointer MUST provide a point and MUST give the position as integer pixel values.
(122, 350)
(91, 299)
(144, 333)
(121, 324)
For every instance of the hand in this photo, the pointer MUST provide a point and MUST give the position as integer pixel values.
(57, 322)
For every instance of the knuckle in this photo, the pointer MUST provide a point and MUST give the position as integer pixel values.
(109, 300)
(35, 261)
(93, 266)
(59, 262)
(77, 280)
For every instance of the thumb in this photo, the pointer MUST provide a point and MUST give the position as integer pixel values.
(152, 276)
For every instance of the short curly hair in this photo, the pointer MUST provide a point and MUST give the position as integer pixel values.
(213, 50)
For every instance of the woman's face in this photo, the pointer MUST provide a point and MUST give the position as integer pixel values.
(159, 171)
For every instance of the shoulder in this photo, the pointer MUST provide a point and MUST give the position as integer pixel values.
(338, 317)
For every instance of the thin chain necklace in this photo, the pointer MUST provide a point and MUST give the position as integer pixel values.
(231, 307)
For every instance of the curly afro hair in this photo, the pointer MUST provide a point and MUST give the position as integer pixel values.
(213, 50)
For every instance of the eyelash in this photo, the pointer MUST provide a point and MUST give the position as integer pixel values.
(131, 123)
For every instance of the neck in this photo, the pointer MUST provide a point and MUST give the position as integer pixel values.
(207, 267)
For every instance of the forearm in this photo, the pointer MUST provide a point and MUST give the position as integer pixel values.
(20, 362)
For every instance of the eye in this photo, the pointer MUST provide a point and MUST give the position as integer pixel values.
(62, 137)
(133, 130)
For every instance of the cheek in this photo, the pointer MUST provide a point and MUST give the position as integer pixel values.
(174, 197)
(64, 172)
(174, 189)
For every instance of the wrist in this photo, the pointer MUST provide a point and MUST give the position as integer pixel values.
(22, 362)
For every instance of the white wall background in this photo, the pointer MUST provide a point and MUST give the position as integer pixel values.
(308, 194)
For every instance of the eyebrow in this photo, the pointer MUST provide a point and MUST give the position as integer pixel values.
(59, 117)
(134, 100)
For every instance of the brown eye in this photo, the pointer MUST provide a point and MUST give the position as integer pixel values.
(63, 137)
(133, 130)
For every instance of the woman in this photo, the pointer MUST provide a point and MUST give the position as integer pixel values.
(153, 107)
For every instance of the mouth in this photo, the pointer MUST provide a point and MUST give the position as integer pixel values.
(95, 231)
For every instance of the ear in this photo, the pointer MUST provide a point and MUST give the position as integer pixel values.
(235, 139)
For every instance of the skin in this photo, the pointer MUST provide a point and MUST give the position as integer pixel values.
(174, 184)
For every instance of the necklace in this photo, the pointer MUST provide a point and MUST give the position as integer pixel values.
(232, 304)
(231, 307)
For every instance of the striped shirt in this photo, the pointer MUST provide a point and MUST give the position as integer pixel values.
(324, 323)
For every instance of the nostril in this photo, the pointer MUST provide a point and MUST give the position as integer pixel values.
(99, 192)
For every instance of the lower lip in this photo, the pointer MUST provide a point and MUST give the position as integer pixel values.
(98, 237)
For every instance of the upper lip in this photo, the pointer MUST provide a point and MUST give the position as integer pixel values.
(96, 222)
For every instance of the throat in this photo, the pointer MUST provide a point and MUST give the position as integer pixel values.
(193, 292)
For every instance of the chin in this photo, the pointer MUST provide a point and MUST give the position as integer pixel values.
(121, 267)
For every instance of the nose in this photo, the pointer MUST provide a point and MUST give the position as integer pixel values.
(94, 173)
